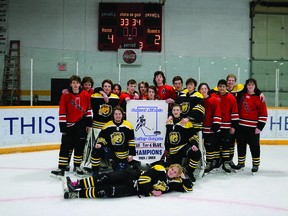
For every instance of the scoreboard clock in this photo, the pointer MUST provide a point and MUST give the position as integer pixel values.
(130, 26)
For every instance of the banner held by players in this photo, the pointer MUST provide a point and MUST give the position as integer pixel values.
(148, 119)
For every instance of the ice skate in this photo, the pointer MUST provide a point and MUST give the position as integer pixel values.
(68, 185)
(58, 174)
(67, 169)
(80, 172)
(237, 167)
(226, 167)
(192, 177)
(208, 168)
(71, 195)
(216, 164)
(254, 169)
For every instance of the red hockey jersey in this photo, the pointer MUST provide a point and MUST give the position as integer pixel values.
(212, 115)
(229, 110)
(165, 91)
(73, 107)
(252, 111)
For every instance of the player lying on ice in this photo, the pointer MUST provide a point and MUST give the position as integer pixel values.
(153, 182)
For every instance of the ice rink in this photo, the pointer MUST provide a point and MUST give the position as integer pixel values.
(27, 189)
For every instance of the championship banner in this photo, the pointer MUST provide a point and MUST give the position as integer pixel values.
(148, 118)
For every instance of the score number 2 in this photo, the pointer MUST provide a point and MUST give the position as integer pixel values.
(157, 39)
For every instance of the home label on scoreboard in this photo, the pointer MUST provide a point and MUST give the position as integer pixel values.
(130, 25)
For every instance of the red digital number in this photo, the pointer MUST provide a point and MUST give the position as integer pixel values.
(124, 22)
(134, 32)
(125, 31)
(140, 45)
(136, 21)
(157, 39)
(111, 38)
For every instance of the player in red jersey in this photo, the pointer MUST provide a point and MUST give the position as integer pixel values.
(87, 84)
(75, 118)
(229, 123)
(143, 90)
(252, 119)
(163, 91)
(211, 124)
(130, 94)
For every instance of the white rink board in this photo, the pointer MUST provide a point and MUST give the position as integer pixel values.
(277, 125)
(28, 126)
(32, 126)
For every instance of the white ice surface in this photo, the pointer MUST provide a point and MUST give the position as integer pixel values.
(27, 189)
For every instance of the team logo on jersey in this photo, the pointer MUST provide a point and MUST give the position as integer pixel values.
(185, 107)
(174, 138)
(163, 91)
(105, 110)
(117, 138)
(160, 185)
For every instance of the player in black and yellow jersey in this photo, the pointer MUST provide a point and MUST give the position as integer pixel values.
(153, 182)
(102, 104)
(192, 105)
(182, 141)
(116, 142)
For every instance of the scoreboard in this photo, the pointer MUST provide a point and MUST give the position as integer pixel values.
(130, 26)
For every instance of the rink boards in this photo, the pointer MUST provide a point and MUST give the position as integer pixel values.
(33, 128)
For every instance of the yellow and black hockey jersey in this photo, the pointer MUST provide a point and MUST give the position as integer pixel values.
(192, 106)
(119, 137)
(102, 111)
(156, 179)
(178, 135)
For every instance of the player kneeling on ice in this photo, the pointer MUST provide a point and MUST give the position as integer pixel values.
(115, 142)
(182, 141)
(153, 182)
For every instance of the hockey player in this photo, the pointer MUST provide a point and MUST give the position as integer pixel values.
(102, 103)
(178, 85)
(87, 84)
(116, 142)
(253, 116)
(182, 142)
(211, 124)
(230, 119)
(235, 88)
(163, 91)
(153, 182)
(152, 93)
(192, 105)
(143, 90)
(130, 94)
(75, 119)
(116, 89)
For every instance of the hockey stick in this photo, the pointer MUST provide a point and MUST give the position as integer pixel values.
(202, 162)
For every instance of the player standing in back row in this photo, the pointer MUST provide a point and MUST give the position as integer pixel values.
(253, 117)
(75, 119)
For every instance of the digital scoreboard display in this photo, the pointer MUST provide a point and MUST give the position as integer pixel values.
(130, 26)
